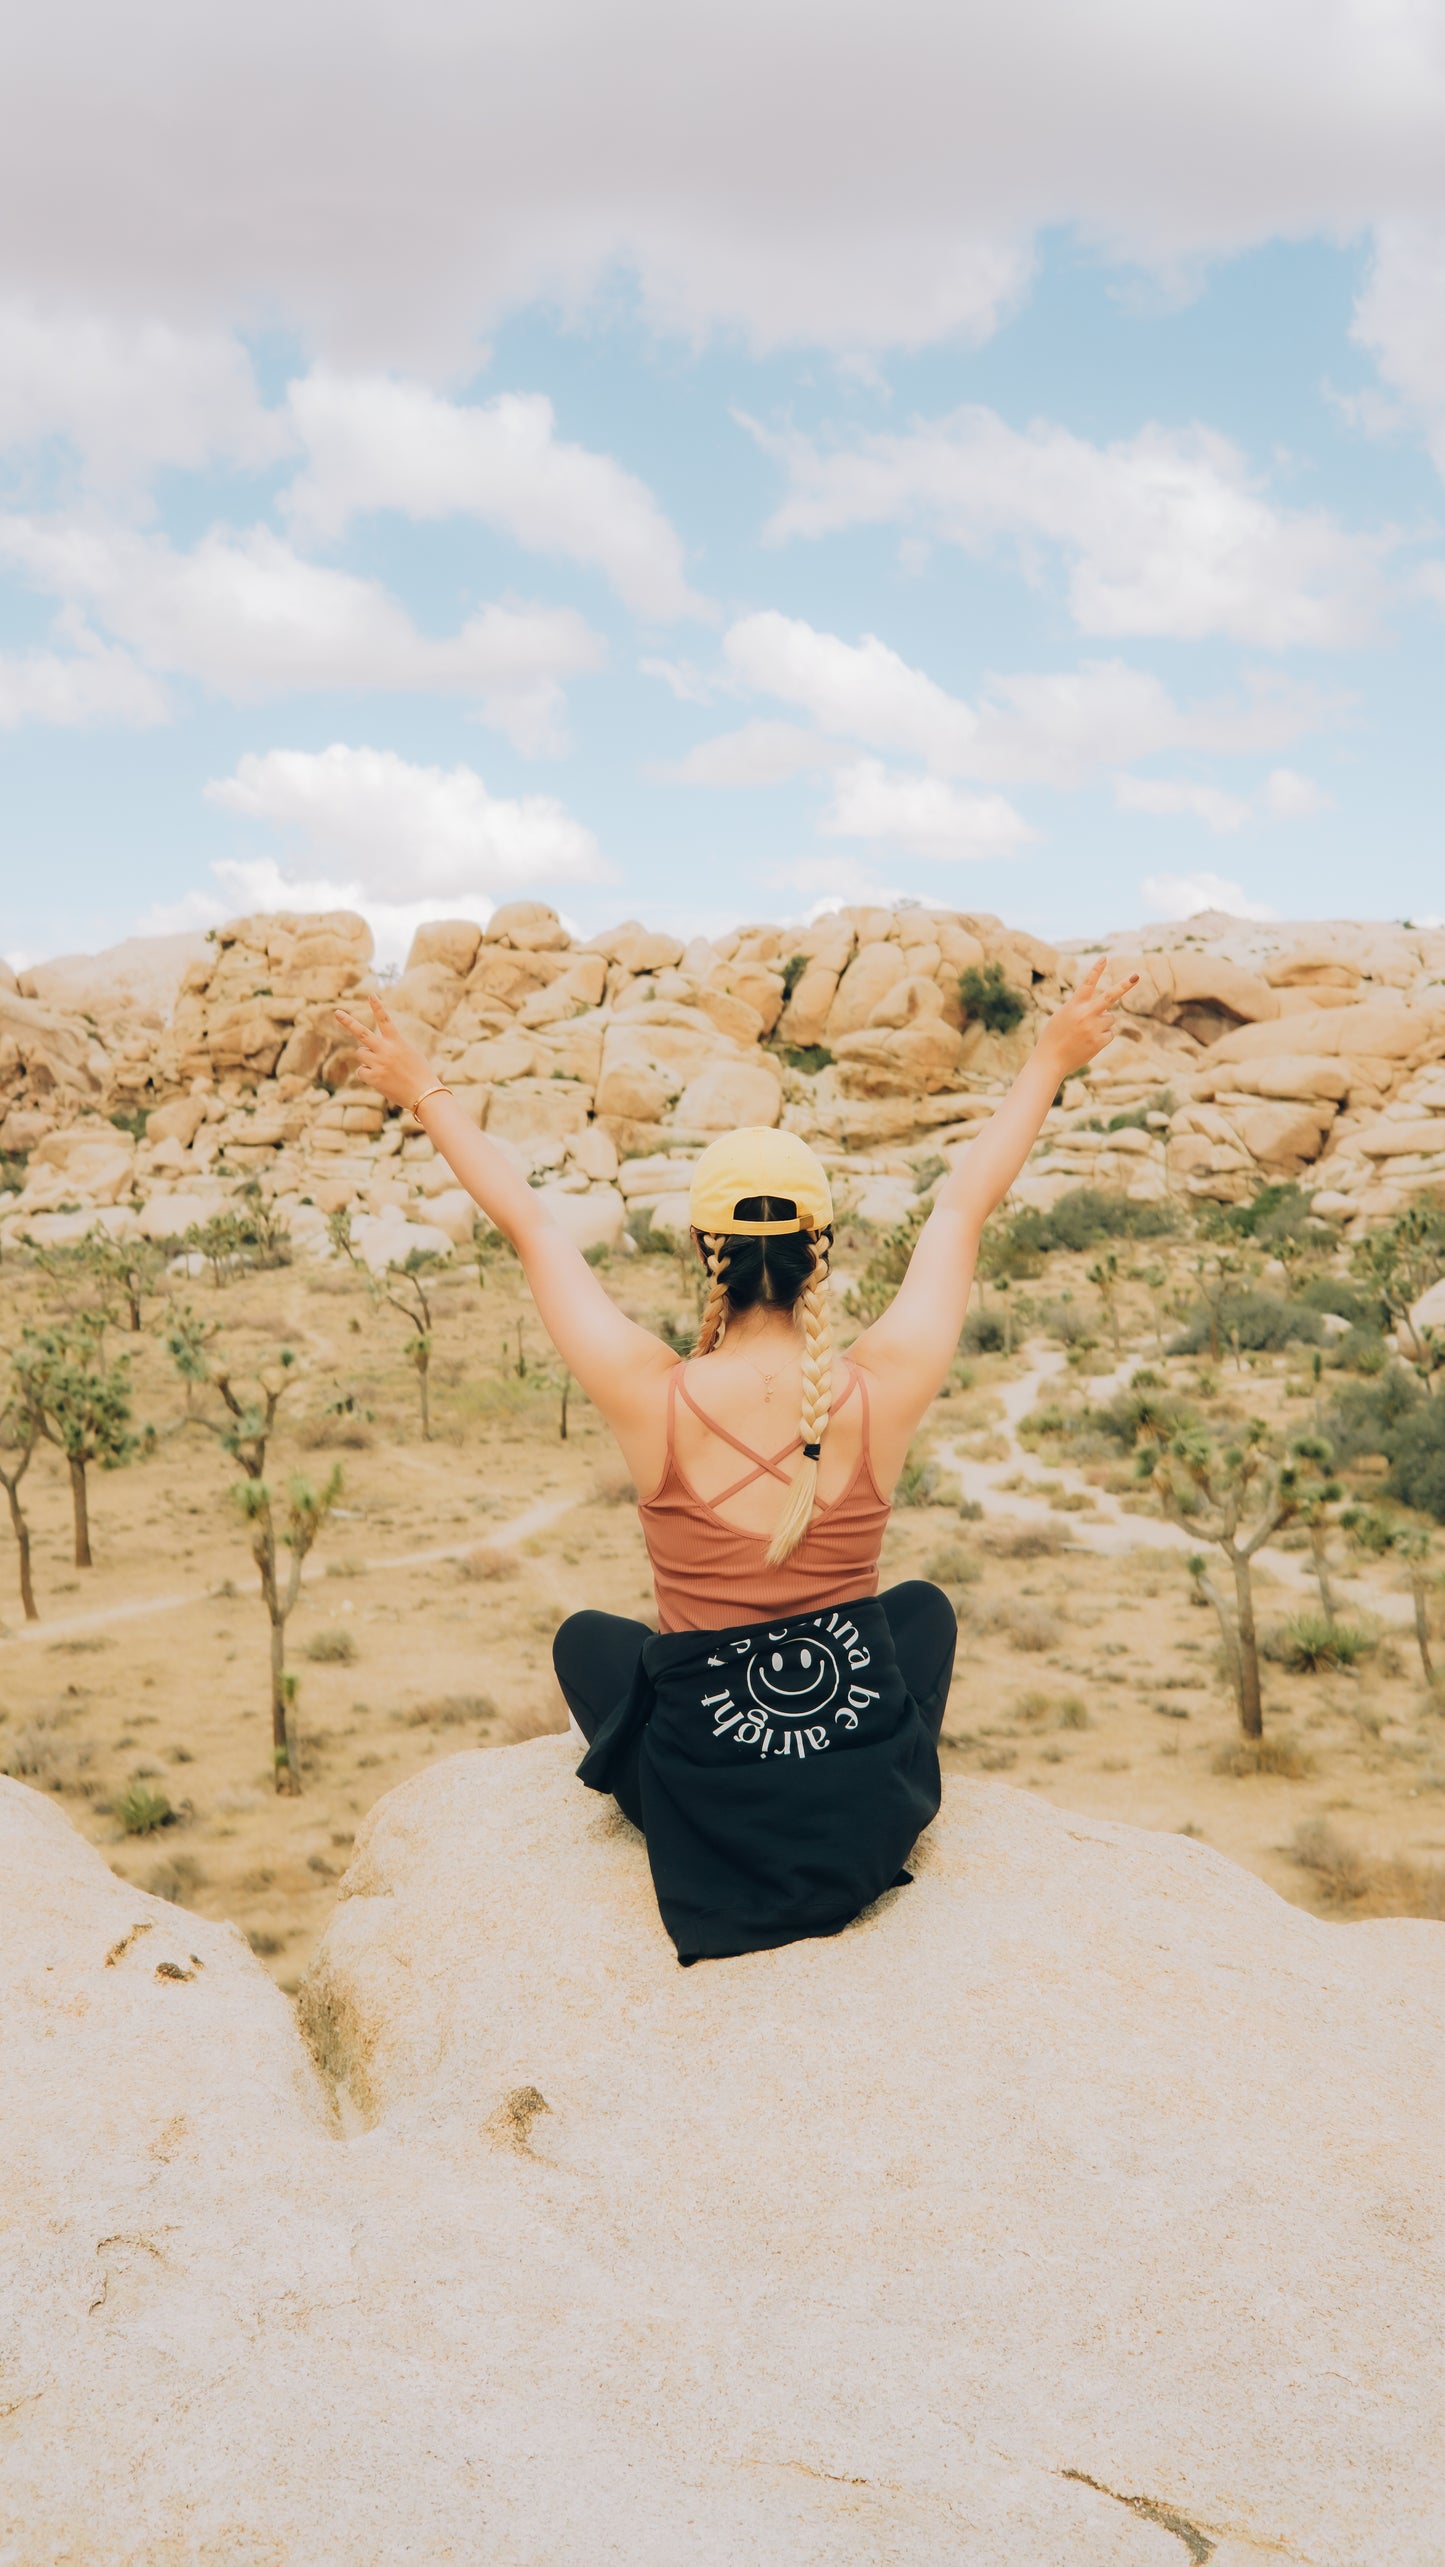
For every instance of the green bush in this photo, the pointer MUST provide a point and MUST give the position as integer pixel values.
(1417, 1459)
(1360, 1350)
(141, 1810)
(1259, 1321)
(988, 998)
(983, 1333)
(1310, 1642)
(922, 1483)
(810, 1058)
(1344, 1300)
(1088, 1214)
(1366, 1418)
(1280, 1211)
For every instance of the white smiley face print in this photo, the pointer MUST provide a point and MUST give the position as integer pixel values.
(793, 1676)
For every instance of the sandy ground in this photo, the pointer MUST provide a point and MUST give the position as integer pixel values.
(1084, 1671)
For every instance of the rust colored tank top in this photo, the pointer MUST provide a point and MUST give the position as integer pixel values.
(710, 1575)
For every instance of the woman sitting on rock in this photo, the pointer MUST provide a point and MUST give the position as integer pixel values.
(775, 1738)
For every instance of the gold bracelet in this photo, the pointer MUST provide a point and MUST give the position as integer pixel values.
(440, 1089)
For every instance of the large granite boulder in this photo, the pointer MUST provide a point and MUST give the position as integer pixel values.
(1083, 2201)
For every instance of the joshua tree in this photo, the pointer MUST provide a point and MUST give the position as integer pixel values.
(19, 1435)
(244, 1428)
(1216, 1273)
(1400, 1262)
(402, 1288)
(1370, 1530)
(1316, 1494)
(1104, 1276)
(117, 1274)
(1235, 1496)
(80, 1403)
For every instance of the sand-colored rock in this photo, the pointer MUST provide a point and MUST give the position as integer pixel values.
(728, 1094)
(531, 1107)
(452, 942)
(1374, 1030)
(1285, 1136)
(635, 947)
(592, 1220)
(875, 969)
(1050, 2213)
(1390, 1140)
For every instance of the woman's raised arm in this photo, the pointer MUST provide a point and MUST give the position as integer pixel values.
(618, 1364)
(909, 1349)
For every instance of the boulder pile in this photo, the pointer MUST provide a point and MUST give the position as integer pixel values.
(1246, 1054)
(1082, 2201)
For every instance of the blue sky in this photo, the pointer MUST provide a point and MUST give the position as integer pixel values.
(803, 530)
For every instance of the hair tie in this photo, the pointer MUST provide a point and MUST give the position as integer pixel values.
(811, 1452)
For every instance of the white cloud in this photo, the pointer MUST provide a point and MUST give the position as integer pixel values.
(375, 443)
(863, 690)
(1164, 796)
(922, 814)
(1400, 318)
(386, 198)
(1292, 796)
(1166, 534)
(1180, 896)
(760, 753)
(131, 397)
(1056, 727)
(371, 818)
(90, 686)
(248, 618)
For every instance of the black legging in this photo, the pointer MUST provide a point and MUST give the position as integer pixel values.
(596, 1654)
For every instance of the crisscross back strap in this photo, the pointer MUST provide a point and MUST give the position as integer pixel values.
(762, 1464)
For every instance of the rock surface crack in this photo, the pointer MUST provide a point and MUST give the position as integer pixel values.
(1200, 2547)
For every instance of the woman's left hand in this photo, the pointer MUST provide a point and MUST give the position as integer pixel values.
(386, 1061)
(1079, 1030)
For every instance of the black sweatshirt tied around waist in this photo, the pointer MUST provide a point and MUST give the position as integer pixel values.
(780, 1771)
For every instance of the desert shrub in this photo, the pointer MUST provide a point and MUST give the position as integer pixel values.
(341, 1426)
(929, 1172)
(1345, 1877)
(1307, 1643)
(1259, 1321)
(1344, 1300)
(793, 970)
(536, 1720)
(983, 1333)
(1360, 1350)
(332, 1649)
(177, 1879)
(1088, 1214)
(1264, 1756)
(614, 1487)
(952, 1566)
(1069, 1322)
(141, 1809)
(489, 1563)
(1417, 1459)
(1364, 1418)
(885, 1267)
(40, 1753)
(1137, 1411)
(449, 1711)
(1031, 1627)
(988, 998)
(920, 1483)
(810, 1058)
(1013, 1539)
(264, 1945)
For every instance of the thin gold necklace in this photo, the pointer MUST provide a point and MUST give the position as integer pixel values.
(767, 1379)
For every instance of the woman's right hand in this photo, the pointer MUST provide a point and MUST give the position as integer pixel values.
(386, 1061)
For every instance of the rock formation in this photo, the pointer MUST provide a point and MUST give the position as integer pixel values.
(1082, 2201)
(1246, 1054)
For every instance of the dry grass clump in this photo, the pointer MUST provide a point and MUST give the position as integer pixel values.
(1264, 1756)
(952, 1566)
(1051, 1711)
(1031, 1627)
(40, 1753)
(1014, 1539)
(489, 1562)
(614, 1486)
(536, 1720)
(335, 1432)
(177, 1880)
(449, 1711)
(1346, 1878)
(141, 1809)
(332, 1649)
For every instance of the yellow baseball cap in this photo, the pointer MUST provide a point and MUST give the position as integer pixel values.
(753, 1161)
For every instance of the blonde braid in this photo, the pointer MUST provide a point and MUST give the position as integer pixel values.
(712, 1326)
(817, 1401)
